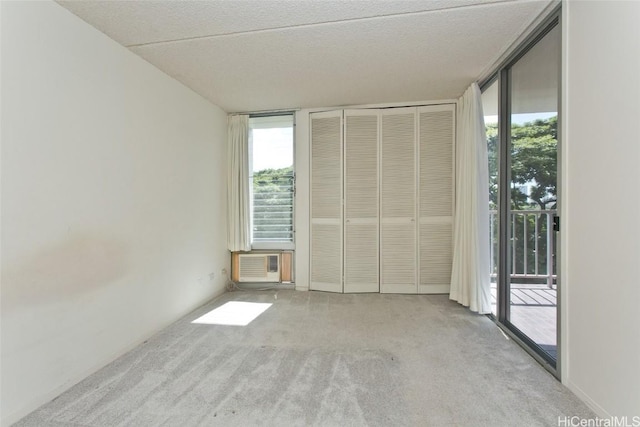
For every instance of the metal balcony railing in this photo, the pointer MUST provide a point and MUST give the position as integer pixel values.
(532, 248)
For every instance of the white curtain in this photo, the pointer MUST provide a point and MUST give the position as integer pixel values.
(238, 198)
(470, 273)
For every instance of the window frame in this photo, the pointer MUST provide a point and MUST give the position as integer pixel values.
(502, 75)
(273, 245)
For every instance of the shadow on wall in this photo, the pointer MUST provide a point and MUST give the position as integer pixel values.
(77, 265)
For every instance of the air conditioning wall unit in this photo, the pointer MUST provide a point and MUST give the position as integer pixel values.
(269, 267)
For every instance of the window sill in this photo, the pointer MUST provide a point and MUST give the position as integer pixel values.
(282, 246)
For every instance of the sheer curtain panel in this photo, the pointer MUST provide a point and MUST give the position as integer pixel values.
(238, 202)
(470, 271)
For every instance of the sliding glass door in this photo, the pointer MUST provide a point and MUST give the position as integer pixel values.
(521, 116)
(533, 195)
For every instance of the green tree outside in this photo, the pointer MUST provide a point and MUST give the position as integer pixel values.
(273, 204)
(534, 147)
(534, 165)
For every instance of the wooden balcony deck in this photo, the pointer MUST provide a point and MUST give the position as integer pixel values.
(533, 311)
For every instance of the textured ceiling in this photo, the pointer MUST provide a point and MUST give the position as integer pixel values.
(251, 55)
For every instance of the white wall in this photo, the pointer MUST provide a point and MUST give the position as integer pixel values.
(112, 202)
(601, 216)
(303, 164)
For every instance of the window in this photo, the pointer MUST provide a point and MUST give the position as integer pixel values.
(272, 181)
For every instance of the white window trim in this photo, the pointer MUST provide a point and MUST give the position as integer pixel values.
(274, 245)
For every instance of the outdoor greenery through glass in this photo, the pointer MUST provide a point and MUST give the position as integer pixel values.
(272, 178)
(273, 205)
(533, 193)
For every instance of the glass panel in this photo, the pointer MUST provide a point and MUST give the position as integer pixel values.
(271, 180)
(533, 187)
(490, 108)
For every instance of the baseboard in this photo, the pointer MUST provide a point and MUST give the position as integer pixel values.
(47, 397)
(44, 398)
(599, 410)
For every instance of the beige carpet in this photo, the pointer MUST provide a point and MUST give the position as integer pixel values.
(318, 359)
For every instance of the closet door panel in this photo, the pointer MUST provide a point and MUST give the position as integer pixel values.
(326, 257)
(361, 257)
(436, 196)
(398, 258)
(398, 201)
(436, 162)
(361, 201)
(326, 201)
(436, 256)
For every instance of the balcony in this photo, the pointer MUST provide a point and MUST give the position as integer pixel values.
(533, 281)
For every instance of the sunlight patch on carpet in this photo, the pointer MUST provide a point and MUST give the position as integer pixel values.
(234, 313)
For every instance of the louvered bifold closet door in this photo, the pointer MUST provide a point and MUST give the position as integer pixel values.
(398, 201)
(361, 201)
(436, 135)
(326, 201)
